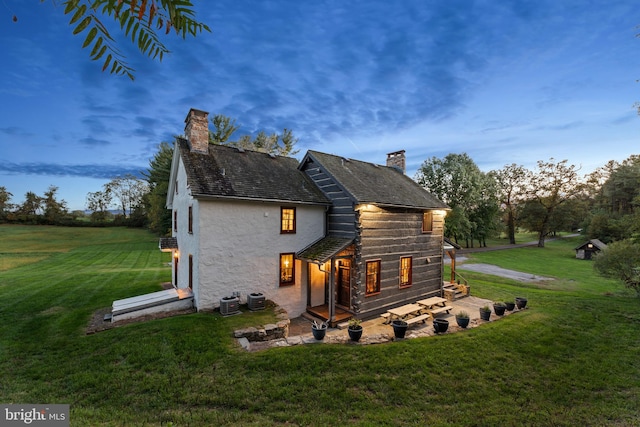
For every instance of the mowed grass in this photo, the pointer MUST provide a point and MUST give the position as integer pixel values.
(570, 359)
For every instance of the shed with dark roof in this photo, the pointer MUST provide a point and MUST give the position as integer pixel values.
(589, 248)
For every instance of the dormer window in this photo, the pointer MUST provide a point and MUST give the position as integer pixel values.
(287, 220)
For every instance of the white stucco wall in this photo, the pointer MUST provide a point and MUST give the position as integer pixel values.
(236, 246)
(187, 242)
(239, 251)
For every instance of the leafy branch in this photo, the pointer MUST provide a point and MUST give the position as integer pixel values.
(141, 20)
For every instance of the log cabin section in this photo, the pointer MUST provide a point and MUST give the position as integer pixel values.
(397, 256)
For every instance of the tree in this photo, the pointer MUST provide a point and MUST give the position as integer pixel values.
(622, 186)
(54, 210)
(512, 183)
(141, 21)
(5, 206)
(278, 144)
(457, 181)
(224, 127)
(31, 207)
(98, 203)
(551, 185)
(158, 174)
(128, 190)
(620, 260)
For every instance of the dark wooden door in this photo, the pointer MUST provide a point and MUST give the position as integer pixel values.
(344, 286)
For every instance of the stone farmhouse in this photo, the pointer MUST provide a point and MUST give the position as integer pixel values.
(327, 235)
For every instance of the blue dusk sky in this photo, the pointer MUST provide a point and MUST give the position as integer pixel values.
(503, 81)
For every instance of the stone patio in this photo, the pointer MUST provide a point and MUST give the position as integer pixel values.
(375, 331)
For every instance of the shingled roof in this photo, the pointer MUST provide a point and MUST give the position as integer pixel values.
(322, 250)
(229, 172)
(375, 184)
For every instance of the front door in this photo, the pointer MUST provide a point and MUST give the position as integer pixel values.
(344, 284)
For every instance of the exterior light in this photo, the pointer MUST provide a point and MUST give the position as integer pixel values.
(176, 254)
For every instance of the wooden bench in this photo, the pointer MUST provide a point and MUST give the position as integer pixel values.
(422, 318)
(439, 310)
(385, 316)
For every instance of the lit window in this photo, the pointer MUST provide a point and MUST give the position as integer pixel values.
(287, 220)
(427, 222)
(287, 269)
(405, 271)
(373, 277)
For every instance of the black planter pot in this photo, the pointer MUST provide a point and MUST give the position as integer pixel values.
(319, 333)
(499, 309)
(399, 328)
(463, 322)
(440, 325)
(521, 302)
(510, 305)
(485, 314)
(355, 333)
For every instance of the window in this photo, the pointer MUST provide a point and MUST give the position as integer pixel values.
(190, 271)
(287, 220)
(427, 222)
(176, 186)
(373, 277)
(190, 219)
(175, 220)
(406, 264)
(287, 269)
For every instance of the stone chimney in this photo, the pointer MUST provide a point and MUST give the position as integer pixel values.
(397, 160)
(197, 130)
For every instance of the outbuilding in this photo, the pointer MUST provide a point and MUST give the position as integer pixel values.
(588, 249)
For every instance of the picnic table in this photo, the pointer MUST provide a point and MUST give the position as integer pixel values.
(432, 302)
(434, 306)
(410, 313)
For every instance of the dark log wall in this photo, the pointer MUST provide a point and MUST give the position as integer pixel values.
(341, 218)
(389, 234)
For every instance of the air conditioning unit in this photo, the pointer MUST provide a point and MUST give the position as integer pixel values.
(229, 305)
(256, 301)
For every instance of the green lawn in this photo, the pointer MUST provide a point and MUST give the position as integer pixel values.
(571, 359)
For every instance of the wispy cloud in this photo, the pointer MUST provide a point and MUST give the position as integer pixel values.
(101, 171)
(16, 131)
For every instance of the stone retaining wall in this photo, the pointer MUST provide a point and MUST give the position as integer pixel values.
(267, 332)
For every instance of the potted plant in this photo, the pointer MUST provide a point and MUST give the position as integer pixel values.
(510, 305)
(354, 329)
(485, 312)
(462, 318)
(319, 330)
(521, 302)
(440, 325)
(499, 308)
(399, 328)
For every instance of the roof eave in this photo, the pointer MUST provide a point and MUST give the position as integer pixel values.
(201, 196)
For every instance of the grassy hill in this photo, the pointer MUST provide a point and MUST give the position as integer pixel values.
(571, 359)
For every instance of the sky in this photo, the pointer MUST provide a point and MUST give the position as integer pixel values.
(503, 81)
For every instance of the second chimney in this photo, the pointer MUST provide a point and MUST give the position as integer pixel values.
(197, 130)
(397, 160)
